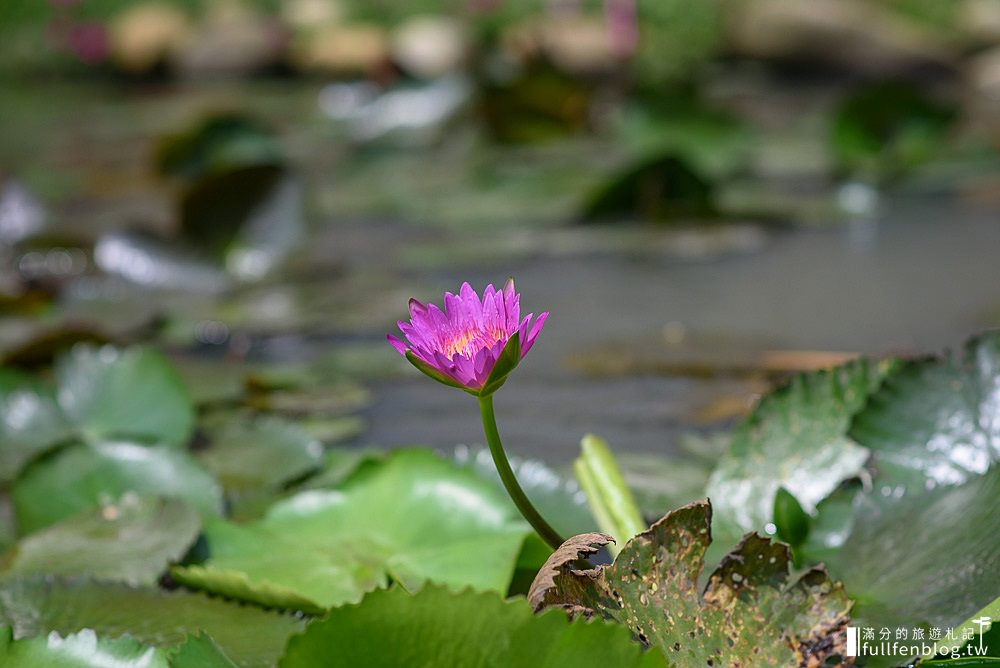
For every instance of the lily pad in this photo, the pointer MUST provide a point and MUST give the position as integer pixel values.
(926, 559)
(437, 627)
(795, 438)
(36, 606)
(129, 393)
(131, 541)
(78, 650)
(250, 453)
(412, 517)
(935, 422)
(83, 476)
(751, 613)
(31, 422)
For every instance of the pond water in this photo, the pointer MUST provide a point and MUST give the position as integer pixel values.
(653, 333)
(918, 277)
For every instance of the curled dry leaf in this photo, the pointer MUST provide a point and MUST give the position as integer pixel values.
(751, 613)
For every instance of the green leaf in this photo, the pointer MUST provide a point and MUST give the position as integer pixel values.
(751, 613)
(436, 627)
(934, 422)
(251, 637)
(412, 517)
(131, 393)
(795, 438)
(199, 651)
(790, 521)
(249, 453)
(926, 559)
(83, 476)
(31, 422)
(609, 497)
(77, 650)
(130, 541)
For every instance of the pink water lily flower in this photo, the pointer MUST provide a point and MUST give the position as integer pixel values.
(474, 343)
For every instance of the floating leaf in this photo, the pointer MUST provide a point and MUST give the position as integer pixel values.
(925, 559)
(31, 422)
(131, 541)
(796, 439)
(751, 613)
(251, 637)
(83, 476)
(412, 517)
(264, 452)
(937, 421)
(77, 650)
(436, 627)
(131, 393)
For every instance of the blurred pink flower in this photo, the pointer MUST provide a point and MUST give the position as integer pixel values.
(472, 344)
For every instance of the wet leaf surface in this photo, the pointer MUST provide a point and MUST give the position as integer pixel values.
(937, 421)
(796, 438)
(752, 612)
(35, 606)
(930, 558)
(437, 627)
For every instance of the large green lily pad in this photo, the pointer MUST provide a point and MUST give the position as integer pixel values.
(926, 559)
(751, 613)
(85, 475)
(102, 392)
(796, 438)
(437, 627)
(35, 606)
(412, 517)
(132, 540)
(131, 393)
(31, 422)
(935, 422)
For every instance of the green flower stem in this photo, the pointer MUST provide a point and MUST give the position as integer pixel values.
(510, 483)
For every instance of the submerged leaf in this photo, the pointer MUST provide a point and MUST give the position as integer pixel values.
(436, 627)
(752, 612)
